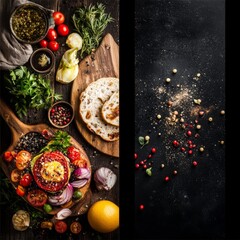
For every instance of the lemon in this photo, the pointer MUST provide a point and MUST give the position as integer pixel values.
(103, 216)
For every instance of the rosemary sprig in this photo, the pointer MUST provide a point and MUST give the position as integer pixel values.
(90, 22)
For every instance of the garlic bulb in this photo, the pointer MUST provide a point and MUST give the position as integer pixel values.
(21, 220)
(74, 40)
(105, 178)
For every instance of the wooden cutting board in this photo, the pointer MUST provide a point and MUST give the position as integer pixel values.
(104, 63)
(18, 130)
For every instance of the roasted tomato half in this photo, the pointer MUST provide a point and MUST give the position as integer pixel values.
(73, 153)
(20, 190)
(51, 171)
(75, 227)
(15, 175)
(22, 159)
(37, 197)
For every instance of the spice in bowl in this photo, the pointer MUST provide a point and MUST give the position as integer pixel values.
(60, 114)
(42, 60)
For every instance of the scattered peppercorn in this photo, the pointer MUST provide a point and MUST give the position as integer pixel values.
(153, 150)
(201, 113)
(168, 80)
(147, 138)
(222, 112)
(201, 149)
(141, 207)
(198, 126)
(159, 116)
(194, 163)
(166, 179)
(174, 70)
(137, 165)
(221, 142)
(175, 143)
(162, 165)
(135, 155)
(189, 133)
(210, 119)
(175, 172)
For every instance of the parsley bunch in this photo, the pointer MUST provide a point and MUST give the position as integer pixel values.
(29, 90)
(90, 22)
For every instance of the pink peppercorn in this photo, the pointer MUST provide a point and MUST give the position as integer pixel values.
(137, 165)
(166, 179)
(175, 143)
(135, 155)
(190, 152)
(141, 207)
(194, 163)
(189, 133)
(153, 150)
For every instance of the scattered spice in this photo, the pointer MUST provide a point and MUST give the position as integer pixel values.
(222, 112)
(159, 116)
(162, 166)
(174, 70)
(197, 101)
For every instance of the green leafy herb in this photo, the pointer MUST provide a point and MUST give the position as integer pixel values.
(90, 22)
(60, 141)
(149, 171)
(29, 90)
(142, 141)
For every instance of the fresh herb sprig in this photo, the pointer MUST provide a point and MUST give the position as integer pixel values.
(29, 90)
(90, 22)
(60, 141)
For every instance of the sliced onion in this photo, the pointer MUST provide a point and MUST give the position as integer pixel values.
(63, 198)
(104, 178)
(79, 183)
(64, 213)
(82, 173)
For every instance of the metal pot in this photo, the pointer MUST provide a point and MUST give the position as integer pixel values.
(30, 22)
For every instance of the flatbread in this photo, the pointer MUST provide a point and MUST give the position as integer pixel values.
(91, 103)
(110, 110)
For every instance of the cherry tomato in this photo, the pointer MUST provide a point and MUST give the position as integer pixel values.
(82, 163)
(73, 153)
(9, 156)
(58, 17)
(43, 43)
(63, 29)
(53, 45)
(60, 226)
(37, 197)
(26, 180)
(20, 190)
(75, 227)
(22, 159)
(52, 34)
(15, 175)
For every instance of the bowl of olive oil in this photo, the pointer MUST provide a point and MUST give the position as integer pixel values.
(29, 22)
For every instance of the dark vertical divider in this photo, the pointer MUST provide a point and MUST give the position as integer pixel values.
(127, 98)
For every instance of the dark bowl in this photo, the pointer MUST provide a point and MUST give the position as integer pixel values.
(60, 114)
(30, 22)
(42, 60)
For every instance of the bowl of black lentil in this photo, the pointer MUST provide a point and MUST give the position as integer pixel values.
(61, 114)
(29, 23)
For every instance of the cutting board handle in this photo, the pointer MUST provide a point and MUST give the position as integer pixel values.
(17, 127)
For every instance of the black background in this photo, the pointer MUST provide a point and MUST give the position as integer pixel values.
(188, 36)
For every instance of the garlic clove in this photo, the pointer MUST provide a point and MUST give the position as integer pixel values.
(21, 220)
(104, 179)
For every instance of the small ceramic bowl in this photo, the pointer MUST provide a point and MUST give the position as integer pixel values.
(60, 114)
(42, 60)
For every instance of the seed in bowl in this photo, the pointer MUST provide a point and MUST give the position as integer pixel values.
(61, 114)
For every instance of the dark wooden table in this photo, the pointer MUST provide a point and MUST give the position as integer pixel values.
(97, 158)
